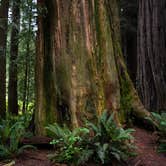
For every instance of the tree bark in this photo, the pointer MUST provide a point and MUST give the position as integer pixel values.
(4, 6)
(85, 64)
(151, 77)
(45, 91)
(14, 42)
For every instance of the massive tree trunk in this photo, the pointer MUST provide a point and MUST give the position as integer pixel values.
(14, 41)
(4, 5)
(79, 66)
(151, 74)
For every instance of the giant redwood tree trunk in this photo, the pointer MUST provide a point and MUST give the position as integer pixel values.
(4, 5)
(79, 64)
(151, 53)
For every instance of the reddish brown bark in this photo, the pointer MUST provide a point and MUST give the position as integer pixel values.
(151, 51)
(79, 63)
(4, 5)
(14, 42)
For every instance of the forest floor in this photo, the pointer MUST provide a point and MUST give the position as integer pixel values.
(144, 140)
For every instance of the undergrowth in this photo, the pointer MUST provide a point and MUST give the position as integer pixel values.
(102, 142)
(12, 130)
(161, 121)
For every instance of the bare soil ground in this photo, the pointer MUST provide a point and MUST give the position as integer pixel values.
(146, 149)
(31, 158)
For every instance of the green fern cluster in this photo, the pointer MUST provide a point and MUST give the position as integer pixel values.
(110, 141)
(69, 144)
(161, 121)
(12, 130)
(102, 142)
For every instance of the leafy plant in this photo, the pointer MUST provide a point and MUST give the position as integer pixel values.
(101, 142)
(161, 121)
(11, 133)
(110, 141)
(69, 144)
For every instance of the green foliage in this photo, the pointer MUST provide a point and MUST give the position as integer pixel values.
(25, 118)
(102, 142)
(69, 143)
(162, 147)
(12, 130)
(110, 141)
(161, 121)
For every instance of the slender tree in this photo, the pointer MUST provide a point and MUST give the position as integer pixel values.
(80, 70)
(27, 56)
(4, 6)
(14, 42)
(151, 50)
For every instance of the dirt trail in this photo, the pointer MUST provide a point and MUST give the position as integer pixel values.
(147, 155)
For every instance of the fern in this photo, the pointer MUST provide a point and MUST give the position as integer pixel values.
(77, 146)
(162, 148)
(102, 151)
(107, 133)
(68, 144)
(11, 133)
(161, 121)
(85, 156)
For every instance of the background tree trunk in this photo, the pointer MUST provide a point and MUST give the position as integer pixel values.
(151, 50)
(27, 58)
(14, 42)
(128, 23)
(4, 5)
(45, 90)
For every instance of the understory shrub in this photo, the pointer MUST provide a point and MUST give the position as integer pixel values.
(161, 121)
(102, 142)
(12, 130)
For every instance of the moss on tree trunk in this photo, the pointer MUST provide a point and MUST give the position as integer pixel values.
(79, 63)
